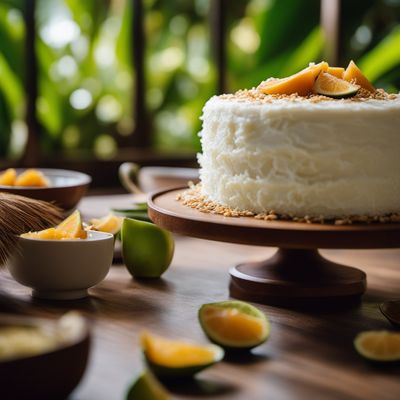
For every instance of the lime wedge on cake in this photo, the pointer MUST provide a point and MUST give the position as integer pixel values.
(234, 324)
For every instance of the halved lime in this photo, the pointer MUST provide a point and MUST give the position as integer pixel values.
(331, 86)
(378, 345)
(234, 324)
(147, 387)
(177, 358)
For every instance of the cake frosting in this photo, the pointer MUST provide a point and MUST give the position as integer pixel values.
(302, 156)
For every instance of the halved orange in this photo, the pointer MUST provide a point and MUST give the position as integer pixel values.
(300, 83)
(234, 324)
(328, 85)
(378, 345)
(353, 73)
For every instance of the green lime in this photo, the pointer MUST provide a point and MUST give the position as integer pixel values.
(177, 358)
(234, 324)
(147, 387)
(147, 250)
(378, 345)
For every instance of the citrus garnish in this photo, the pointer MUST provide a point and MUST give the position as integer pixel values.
(300, 83)
(147, 250)
(147, 387)
(378, 345)
(336, 71)
(234, 324)
(33, 178)
(353, 73)
(110, 223)
(177, 358)
(328, 85)
(73, 226)
(70, 228)
(8, 177)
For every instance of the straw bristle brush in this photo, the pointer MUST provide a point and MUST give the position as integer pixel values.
(20, 214)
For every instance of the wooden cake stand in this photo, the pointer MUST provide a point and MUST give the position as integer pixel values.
(297, 272)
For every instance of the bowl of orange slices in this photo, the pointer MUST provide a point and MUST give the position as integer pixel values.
(62, 262)
(63, 187)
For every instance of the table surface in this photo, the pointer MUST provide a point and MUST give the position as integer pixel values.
(309, 354)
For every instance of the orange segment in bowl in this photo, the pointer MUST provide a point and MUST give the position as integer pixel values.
(31, 177)
(353, 73)
(300, 83)
(73, 226)
(8, 177)
(47, 234)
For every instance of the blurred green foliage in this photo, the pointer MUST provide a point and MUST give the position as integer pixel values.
(84, 51)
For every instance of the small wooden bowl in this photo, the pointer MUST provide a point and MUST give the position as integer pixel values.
(65, 190)
(47, 376)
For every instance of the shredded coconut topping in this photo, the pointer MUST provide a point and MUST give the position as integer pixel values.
(255, 95)
(193, 198)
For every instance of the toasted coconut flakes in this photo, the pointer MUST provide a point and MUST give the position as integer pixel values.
(193, 198)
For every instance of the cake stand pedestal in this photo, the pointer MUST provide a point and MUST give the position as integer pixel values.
(297, 273)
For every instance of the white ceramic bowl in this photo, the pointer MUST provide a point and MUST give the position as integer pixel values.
(62, 269)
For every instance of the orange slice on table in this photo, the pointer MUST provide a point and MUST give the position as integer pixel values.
(336, 71)
(378, 345)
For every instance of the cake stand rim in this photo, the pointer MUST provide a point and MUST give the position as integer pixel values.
(284, 234)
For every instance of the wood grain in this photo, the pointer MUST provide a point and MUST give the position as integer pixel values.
(309, 355)
(169, 213)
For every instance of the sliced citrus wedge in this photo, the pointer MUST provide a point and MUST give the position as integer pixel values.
(234, 324)
(328, 85)
(300, 83)
(177, 358)
(110, 223)
(353, 73)
(32, 177)
(73, 226)
(47, 234)
(336, 71)
(147, 387)
(378, 345)
(8, 177)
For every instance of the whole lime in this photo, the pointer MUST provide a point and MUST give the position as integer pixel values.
(147, 249)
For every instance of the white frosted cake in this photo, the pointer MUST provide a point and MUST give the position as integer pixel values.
(302, 155)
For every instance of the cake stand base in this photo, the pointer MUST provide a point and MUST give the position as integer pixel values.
(296, 276)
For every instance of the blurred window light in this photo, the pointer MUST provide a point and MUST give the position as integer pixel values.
(171, 58)
(202, 7)
(59, 32)
(187, 88)
(19, 136)
(178, 25)
(199, 67)
(80, 99)
(362, 37)
(66, 67)
(105, 147)
(245, 36)
(80, 47)
(105, 54)
(71, 137)
(108, 109)
(154, 97)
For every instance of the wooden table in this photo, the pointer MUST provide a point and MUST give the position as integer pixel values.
(309, 355)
